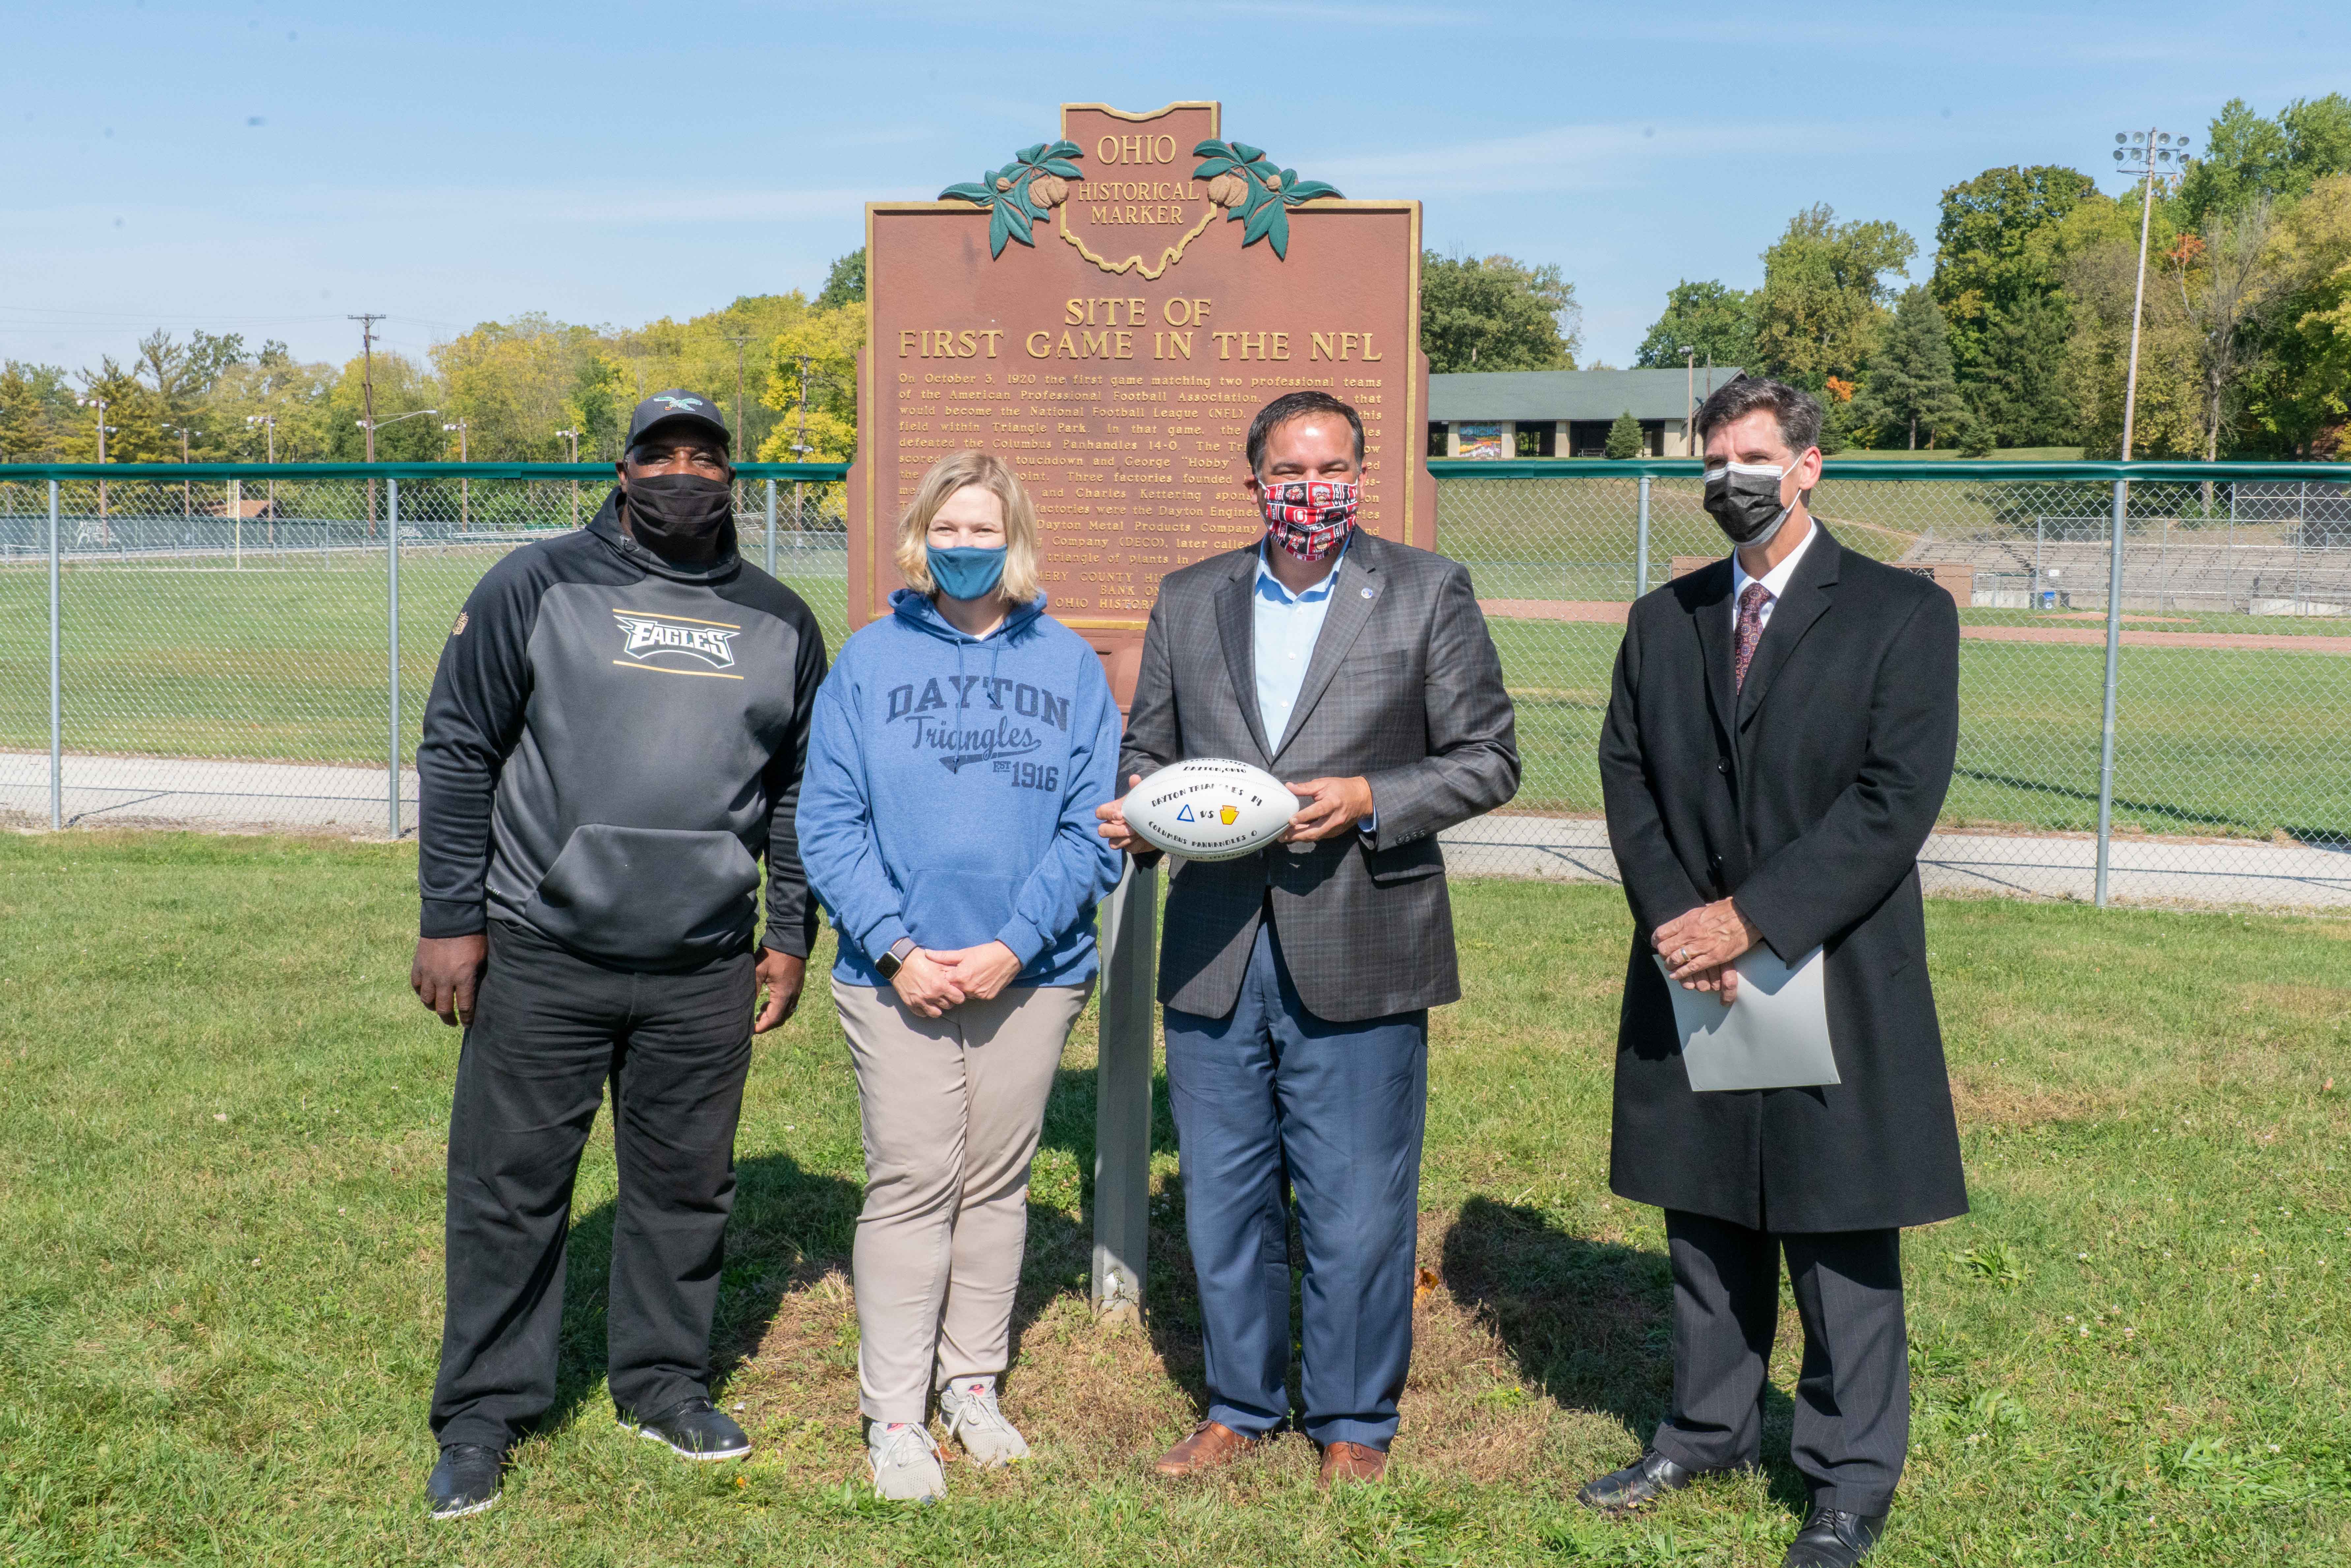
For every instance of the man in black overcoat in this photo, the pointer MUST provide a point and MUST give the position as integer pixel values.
(1778, 741)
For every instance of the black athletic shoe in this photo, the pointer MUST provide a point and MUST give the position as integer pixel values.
(464, 1481)
(1831, 1539)
(693, 1431)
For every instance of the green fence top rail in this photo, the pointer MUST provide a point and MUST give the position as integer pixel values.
(1964, 471)
(814, 473)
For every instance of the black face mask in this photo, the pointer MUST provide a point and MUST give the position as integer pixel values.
(1744, 500)
(678, 516)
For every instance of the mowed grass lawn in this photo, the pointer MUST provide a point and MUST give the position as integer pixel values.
(221, 1170)
(289, 662)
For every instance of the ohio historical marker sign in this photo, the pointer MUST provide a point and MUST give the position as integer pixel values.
(1105, 312)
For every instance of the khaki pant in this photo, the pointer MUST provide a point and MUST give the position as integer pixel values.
(952, 1108)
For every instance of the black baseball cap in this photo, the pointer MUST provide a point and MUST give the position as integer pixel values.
(678, 406)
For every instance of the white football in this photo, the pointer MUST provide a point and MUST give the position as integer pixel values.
(1209, 809)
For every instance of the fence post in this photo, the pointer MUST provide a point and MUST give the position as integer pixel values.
(1130, 951)
(2113, 660)
(57, 707)
(771, 527)
(1641, 550)
(392, 644)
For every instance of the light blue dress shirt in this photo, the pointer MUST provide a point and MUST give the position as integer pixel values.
(1284, 627)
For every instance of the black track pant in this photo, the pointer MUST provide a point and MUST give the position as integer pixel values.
(1853, 1391)
(549, 1031)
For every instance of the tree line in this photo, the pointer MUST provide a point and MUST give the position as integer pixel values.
(503, 391)
(2017, 337)
(2019, 334)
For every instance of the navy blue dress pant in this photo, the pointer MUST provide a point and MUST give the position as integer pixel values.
(1268, 1089)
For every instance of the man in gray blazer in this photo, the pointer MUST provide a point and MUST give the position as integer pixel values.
(1297, 981)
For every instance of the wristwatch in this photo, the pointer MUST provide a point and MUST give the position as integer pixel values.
(888, 965)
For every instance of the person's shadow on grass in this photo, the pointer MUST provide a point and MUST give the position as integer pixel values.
(788, 1226)
(1588, 1322)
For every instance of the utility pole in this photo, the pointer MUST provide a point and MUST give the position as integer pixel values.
(366, 392)
(799, 453)
(740, 434)
(465, 486)
(187, 494)
(573, 436)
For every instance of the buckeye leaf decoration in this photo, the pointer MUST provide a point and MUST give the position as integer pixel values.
(1263, 211)
(1009, 194)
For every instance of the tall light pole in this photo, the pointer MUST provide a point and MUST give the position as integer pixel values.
(187, 491)
(268, 423)
(573, 437)
(101, 405)
(800, 449)
(2144, 155)
(465, 486)
(1689, 413)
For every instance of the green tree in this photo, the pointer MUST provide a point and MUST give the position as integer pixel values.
(1911, 387)
(1997, 281)
(35, 403)
(2099, 244)
(1823, 302)
(1716, 321)
(134, 413)
(845, 284)
(1624, 437)
(2300, 403)
(823, 344)
(1495, 313)
(2245, 156)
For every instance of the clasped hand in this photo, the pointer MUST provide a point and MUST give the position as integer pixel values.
(1699, 946)
(931, 982)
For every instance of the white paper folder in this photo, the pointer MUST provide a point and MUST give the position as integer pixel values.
(1775, 1035)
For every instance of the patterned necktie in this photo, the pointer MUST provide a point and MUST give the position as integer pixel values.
(1751, 629)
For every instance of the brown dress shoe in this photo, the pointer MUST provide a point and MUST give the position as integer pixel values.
(1212, 1443)
(1352, 1462)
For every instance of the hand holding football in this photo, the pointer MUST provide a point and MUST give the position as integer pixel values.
(1209, 809)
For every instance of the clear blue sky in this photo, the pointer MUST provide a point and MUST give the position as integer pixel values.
(265, 167)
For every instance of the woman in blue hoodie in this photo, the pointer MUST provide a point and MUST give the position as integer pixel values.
(946, 817)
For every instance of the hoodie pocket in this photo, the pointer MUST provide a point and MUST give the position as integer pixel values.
(646, 894)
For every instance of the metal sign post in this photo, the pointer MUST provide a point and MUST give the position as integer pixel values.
(1130, 954)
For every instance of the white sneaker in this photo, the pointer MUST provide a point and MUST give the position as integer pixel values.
(974, 1420)
(906, 1463)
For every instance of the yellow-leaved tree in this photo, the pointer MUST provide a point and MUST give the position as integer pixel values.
(810, 387)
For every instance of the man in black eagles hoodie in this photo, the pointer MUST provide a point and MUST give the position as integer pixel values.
(614, 741)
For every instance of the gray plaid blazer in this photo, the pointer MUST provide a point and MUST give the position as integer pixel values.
(1406, 689)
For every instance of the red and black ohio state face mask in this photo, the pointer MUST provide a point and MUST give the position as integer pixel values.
(1310, 517)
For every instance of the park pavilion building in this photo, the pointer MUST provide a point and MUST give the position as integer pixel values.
(1564, 413)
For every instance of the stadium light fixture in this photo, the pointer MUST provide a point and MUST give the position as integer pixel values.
(2146, 156)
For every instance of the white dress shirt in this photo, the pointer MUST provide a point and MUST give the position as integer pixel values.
(1774, 581)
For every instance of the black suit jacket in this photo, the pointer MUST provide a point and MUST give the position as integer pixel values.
(1805, 795)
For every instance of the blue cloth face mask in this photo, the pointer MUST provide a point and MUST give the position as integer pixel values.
(966, 571)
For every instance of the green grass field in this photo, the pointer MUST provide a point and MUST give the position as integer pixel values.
(289, 662)
(221, 1172)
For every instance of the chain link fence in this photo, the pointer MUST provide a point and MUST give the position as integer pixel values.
(2230, 774)
(252, 647)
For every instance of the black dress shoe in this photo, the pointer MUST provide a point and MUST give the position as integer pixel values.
(464, 1481)
(1639, 1484)
(1832, 1539)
